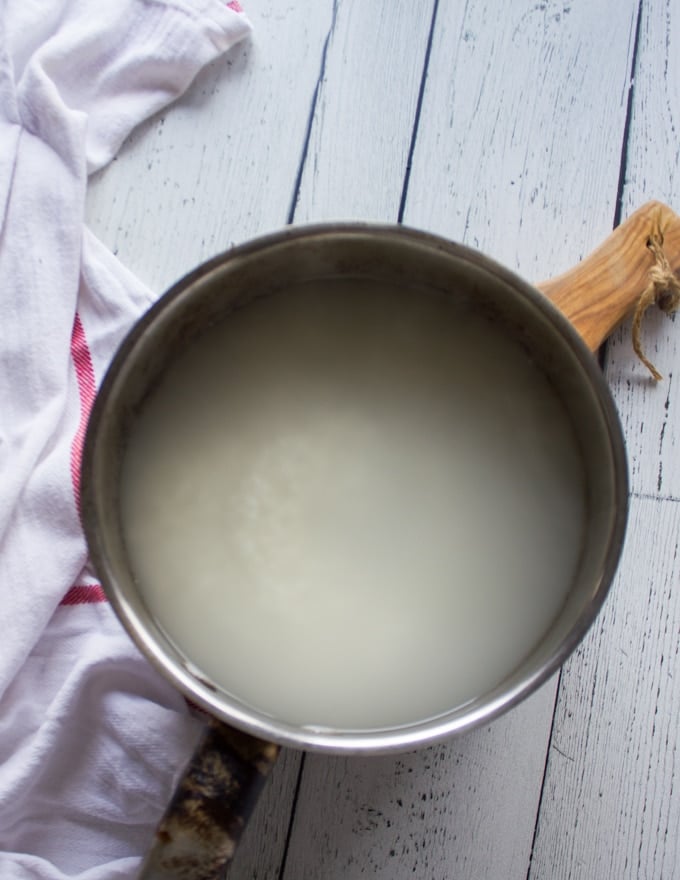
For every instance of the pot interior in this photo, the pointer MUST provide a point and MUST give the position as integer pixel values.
(400, 265)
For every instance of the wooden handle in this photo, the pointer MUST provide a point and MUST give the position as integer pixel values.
(198, 834)
(604, 288)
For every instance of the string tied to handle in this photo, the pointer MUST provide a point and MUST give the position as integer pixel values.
(663, 290)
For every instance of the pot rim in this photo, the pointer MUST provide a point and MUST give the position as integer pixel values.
(148, 636)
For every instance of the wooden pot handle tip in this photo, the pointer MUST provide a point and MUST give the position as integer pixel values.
(197, 837)
(639, 263)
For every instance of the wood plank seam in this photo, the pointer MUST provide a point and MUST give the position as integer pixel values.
(312, 114)
(539, 803)
(291, 818)
(419, 107)
(625, 140)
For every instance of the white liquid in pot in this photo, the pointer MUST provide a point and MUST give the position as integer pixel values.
(354, 510)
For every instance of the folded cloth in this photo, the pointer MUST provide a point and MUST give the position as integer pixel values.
(91, 739)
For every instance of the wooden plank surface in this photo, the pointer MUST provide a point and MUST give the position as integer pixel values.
(519, 145)
(465, 808)
(649, 412)
(611, 806)
(513, 143)
(262, 848)
(360, 139)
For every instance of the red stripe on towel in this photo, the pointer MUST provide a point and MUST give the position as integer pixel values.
(87, 388)
(235, 5)
(86, 594)
(82, 594)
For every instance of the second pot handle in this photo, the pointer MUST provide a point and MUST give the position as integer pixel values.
(197, 836)
(630, 269)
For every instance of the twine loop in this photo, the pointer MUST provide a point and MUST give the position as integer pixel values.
(663, 290)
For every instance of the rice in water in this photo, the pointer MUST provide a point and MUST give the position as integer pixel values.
(354, 507)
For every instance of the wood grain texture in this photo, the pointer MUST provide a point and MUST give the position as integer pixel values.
(519, 144)
(606, 287)
(611, 805)
(454, 810)
(651, 413)
(261, 851)
(361, 133)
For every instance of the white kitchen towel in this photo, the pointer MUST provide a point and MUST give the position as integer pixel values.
(91, 740)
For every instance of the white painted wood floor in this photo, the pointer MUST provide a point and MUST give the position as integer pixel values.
(526, 129)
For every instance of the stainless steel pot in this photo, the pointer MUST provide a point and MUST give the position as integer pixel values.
(558, 329)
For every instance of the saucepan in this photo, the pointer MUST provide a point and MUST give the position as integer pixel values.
(313, 314)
